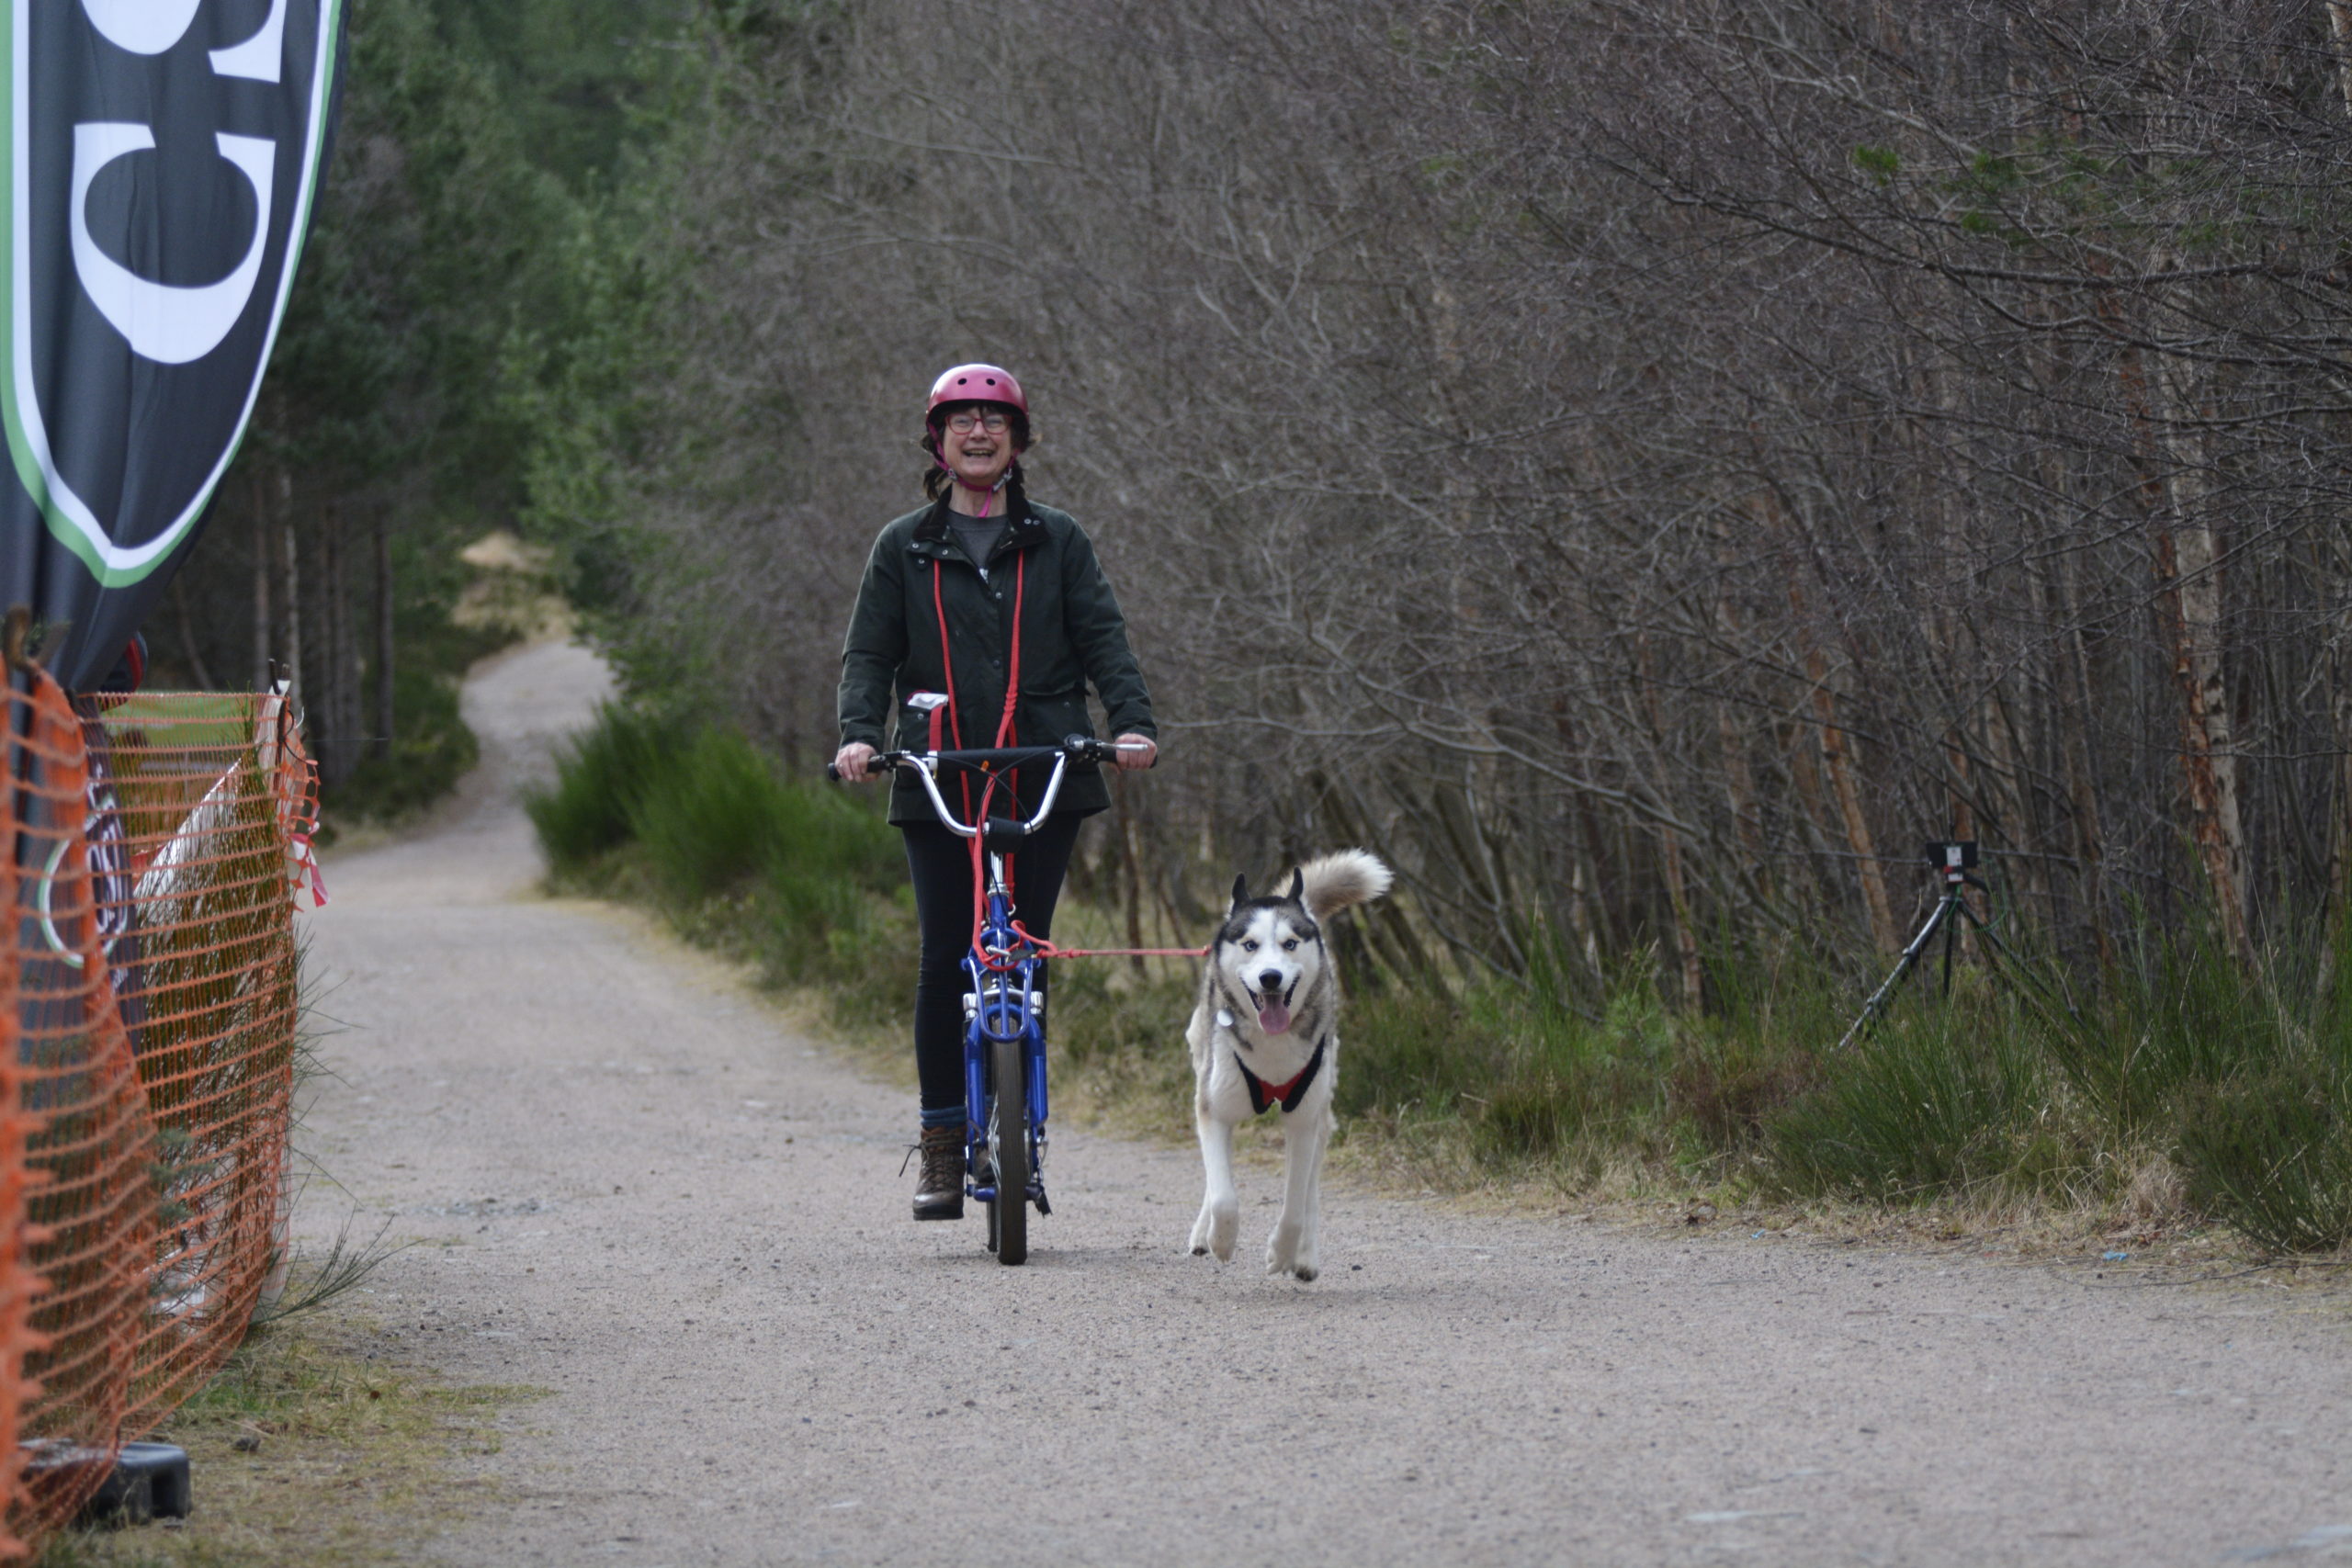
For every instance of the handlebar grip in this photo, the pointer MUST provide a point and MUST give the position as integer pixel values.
(1094, 750)
(833, 771)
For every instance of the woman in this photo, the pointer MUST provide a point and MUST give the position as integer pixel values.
(958, 569)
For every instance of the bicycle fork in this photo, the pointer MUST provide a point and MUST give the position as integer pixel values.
(1003, 1006)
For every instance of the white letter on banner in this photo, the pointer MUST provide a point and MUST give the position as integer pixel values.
(166, 324)
(142, 26)
(151, 26)
(260, 58)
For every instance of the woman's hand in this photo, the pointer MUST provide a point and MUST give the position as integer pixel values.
(850, 761)
(1137, 752)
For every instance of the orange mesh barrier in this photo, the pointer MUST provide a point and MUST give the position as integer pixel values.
(211, 792)
(152, 976)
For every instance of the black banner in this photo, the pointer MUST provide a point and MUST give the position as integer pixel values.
(162, 160)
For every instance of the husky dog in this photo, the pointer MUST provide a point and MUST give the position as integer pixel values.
(1266, 1034)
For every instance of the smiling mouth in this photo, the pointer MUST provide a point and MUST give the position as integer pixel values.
(1273, 1017)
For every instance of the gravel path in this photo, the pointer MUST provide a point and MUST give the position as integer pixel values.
(641, 1191)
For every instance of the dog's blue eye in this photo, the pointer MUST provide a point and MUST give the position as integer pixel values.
(1291, 946)
(1249, 947)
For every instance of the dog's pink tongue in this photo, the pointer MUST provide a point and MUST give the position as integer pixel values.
(1274, 1019)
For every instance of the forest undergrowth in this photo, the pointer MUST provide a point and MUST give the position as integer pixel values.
(2183, 1107)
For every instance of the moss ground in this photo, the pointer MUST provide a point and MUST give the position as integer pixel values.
(312, 1448)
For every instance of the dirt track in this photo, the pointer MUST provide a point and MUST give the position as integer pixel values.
(687, 1222)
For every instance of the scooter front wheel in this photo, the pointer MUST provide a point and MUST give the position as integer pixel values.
(1009, 1151)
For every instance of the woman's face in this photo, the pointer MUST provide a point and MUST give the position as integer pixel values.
(976, 442)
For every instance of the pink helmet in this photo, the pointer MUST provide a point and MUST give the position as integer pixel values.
(975, 384)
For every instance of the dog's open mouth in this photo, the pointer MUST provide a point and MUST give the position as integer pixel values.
(1272, 1015)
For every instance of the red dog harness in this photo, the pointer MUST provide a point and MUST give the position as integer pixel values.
(1288, 1095)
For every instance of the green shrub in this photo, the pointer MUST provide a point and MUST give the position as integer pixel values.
(2183, 1017)
(1526, 1078)
(1757, 1049)
(1095, 1020)
(806, 880)
(600, 778)
(2270, 1153)
(1610, 1075)
(1932, 1105)
(711, 820)
(1727, 1086)
(827, 833)
(1530, 1119)
(1410, 1049)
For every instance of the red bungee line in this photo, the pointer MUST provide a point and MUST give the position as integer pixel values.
(1045, 946)
(1004, 728)
(1045, 949)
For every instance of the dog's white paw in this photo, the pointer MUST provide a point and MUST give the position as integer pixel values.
(1216, 1231)
(1288, 1253)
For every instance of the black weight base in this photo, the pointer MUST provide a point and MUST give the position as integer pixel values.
(148, 1482)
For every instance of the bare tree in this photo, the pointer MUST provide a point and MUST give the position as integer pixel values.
(1643, 465)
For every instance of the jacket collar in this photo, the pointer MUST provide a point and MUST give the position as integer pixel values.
(932, 538)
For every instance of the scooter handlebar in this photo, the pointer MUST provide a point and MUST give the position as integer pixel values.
(1077, 748)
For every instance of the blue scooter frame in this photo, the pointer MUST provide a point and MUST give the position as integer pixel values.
(1005, 1006)
(1004, 1030)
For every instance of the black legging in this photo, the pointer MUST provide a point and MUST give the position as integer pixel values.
(941, 863)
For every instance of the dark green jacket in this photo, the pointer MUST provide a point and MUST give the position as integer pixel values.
(1072, 635)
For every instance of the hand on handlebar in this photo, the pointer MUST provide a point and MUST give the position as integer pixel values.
(850, 763)
(1136, 752)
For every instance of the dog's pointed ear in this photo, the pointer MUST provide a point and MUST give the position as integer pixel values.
(1240, 890)
(1298, 894)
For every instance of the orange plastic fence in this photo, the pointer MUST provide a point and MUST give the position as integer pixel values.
(146, 1062)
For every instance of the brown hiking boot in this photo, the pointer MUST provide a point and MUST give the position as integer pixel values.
(939, 1191)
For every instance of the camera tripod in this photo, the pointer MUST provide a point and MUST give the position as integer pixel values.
(1953, 859)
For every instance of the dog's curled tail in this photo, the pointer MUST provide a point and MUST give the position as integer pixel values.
(1335, 881)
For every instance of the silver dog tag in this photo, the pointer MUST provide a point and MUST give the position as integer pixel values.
(1224, 1019)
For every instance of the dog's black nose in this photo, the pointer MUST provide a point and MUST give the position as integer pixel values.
(1270, 982)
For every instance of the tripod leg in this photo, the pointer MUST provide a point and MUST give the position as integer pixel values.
(1951, 942)
(2015, 967)
(1902, 967)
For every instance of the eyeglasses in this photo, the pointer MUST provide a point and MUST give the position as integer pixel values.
(965, 423)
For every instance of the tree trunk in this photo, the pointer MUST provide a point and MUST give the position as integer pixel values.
(2082, 775)
(2339, 26)
(334, 708)
(196, 667)
(1678, 895)
(2189, 577)
(1839, 765)
(293, 565)
(350, 672)
(264, 641)
(381, 737)
(1686, 936)
(2338, 892)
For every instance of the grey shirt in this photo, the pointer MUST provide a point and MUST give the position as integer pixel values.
(980, 536)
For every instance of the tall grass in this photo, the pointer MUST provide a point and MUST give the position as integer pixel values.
(2241, 1082)
(1936, 1107)
(806, 881)
(600, 778)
